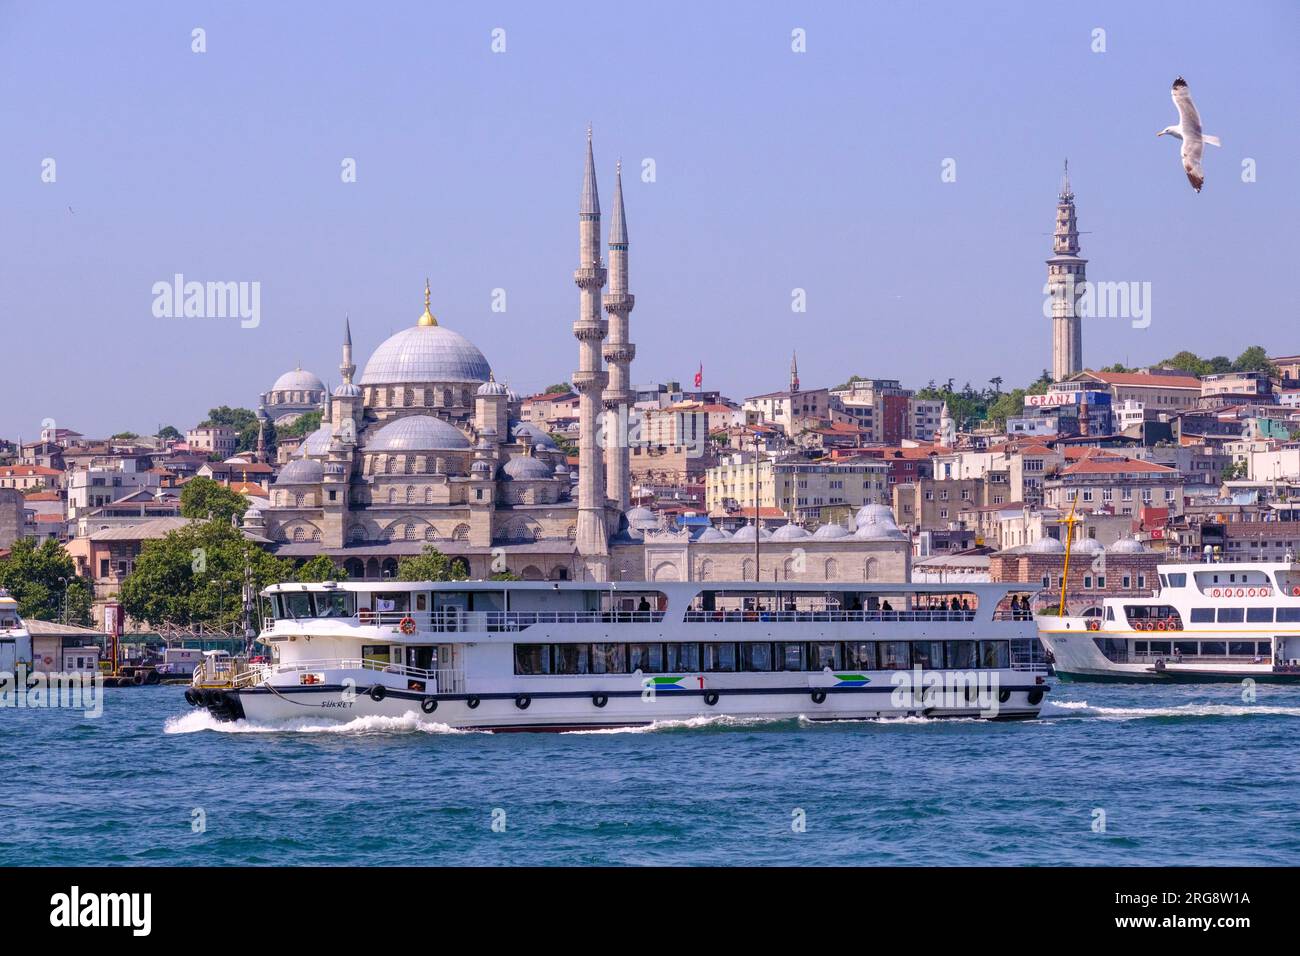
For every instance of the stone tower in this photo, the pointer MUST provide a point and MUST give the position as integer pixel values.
(618, 353)
(590, 378)
(1066, 274)
(794, 372)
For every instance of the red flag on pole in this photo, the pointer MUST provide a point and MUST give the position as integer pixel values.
(699, 377)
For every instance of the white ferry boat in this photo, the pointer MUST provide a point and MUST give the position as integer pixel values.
(15, 639)
(564, 655)
(1207, 622)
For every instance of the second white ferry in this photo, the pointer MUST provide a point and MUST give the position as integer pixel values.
(1208, 622)
(563, 655)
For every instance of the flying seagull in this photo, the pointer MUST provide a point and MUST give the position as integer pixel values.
(1189, 131)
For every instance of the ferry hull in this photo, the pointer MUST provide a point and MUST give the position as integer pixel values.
(542, 712)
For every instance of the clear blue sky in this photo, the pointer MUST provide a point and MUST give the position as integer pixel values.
(775, 170)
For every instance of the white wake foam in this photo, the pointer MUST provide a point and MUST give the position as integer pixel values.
(200, 720)
(1081, 708)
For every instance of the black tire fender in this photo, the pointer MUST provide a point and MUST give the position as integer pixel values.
(377, 693)
(522, 701)
(711, 697)
(600, 700)
(429, 705)
(472, 702)
(1004, 696)
(1035, 697)
(818, 696)
(190, 698)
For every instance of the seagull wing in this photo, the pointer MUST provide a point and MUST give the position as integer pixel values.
(1188, 118)
(1190, 126)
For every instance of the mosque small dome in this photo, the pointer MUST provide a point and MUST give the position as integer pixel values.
(829, 531)
(298, 380)
(876, 523)
(539, 437)
(747, 534)
(790, 532)
(417, 433)
(1128, 546)
(1087, 546)
(525, 468)
(711, 534)
(301, 471)
(868, 513)
(1046, 546)
(491, 387)
(318, 442)
(348, 390)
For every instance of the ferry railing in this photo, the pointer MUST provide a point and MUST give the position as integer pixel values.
(815, 617)
(445, 680)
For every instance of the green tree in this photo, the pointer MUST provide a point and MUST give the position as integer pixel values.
(304, 424)
(169, 433)
(37, 576)
(195, 575)
(1009, 405)
(202, 498)
(1188, 362)
(431, 565)
(317, 569)
(559, 388)
(1255, 359)
(236, 419)
(124, 436)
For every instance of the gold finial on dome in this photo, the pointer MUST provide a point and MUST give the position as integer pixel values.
(427, 318)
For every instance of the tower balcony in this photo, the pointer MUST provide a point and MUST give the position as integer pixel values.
(589, 277)
(585, 382)
(620, 352)
(589, 331)
(619, 302)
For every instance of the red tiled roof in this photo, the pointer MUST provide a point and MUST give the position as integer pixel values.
(1150, 381)
(44, 496)
(26, 471)
(1111, 466)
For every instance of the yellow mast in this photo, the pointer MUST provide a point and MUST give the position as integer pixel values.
(1069, 521)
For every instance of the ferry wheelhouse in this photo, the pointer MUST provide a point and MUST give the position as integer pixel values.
(1207, 622)
(526, 655)
(15, 639)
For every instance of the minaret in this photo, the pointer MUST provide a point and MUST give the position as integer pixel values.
(947, 428)
(346, 367)
(590, 378)
(618, 352)
(1066, 275)
(794, 372)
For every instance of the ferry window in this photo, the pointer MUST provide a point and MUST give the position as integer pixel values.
(1187, 648)
(1263, 649)
(756, 657)
(1231, 615)
(1178, 580)
(927, 654)
(376, 653)
(571, 658)
(609, 658)
(1161, 647)
(1139, 647)
(333, 604)
(683, 657)
(1202, 615)
(894, 656)
(1288, 615)
(1110, 612)
(822, 654)
(719, 657)
(790, 657)
(860, 655)
(298, 604)
(1164, 583)
(532, 659)
(961, 654)
(647, 658)
(995, 654)
(1259, 615)
(1217, 648)
(1241, 648)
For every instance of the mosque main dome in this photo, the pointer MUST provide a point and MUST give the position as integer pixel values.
(427, 353)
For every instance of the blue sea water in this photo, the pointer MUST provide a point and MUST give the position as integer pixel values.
(1184, 775)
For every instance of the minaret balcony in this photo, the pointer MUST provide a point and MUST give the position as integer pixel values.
(589, 381)
(590, 277)
(620, 302)
(589, 331)
(622, 352)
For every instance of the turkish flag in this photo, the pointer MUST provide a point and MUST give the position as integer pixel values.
(699, 377)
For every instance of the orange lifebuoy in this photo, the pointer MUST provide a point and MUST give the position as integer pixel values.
(407, 626)
(1160, 626)
(1241, 592)
(1094, 625)
(1214, 592)
(1295, 592)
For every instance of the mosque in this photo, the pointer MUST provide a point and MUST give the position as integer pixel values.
(427, 447)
